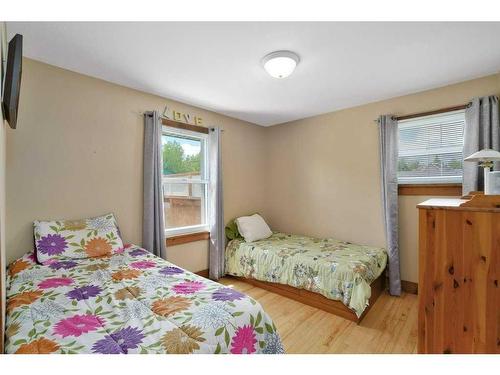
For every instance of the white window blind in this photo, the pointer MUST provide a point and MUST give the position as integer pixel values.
(431, 148)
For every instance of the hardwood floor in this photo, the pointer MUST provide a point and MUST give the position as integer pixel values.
(389, 327)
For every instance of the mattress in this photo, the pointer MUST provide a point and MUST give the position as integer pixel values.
(338, 270)
(133, 302)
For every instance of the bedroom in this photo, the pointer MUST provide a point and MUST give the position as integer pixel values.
(117, 148)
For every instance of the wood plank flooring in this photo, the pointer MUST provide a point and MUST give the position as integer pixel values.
(389, 327)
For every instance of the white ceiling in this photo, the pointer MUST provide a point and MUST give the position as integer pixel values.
(217, 65)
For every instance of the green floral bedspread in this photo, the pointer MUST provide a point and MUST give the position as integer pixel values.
(338, 270)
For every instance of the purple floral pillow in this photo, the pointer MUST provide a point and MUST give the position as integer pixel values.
(85, 238)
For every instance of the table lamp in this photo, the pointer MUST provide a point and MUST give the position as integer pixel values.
(485, 158)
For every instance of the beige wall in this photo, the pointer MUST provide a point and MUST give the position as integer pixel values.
(3, 138)
(323, 171)
(77, 152)
(3, 295)
(408, 235)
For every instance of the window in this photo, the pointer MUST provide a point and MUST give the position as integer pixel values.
(431, 149)
(185, 181)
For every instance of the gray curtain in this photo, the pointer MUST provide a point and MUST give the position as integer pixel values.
(217, 235)
(153, 229)
(388, 138)
(482, 130)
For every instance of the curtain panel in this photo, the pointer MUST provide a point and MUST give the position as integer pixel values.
(482, 130)
(388, 140)
(217, 235)
(153, 228)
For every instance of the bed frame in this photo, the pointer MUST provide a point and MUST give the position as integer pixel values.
(317, 300)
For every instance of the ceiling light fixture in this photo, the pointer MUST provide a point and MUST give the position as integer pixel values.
(280, 64)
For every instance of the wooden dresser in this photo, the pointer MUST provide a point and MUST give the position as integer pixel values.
(459, 272)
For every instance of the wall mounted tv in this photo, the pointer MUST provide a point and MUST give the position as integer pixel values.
(12, 80)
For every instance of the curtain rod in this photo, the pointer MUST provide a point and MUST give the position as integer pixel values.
(434, 112)
(429, 113)
(182, 125)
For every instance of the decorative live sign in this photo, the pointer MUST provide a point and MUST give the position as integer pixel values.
(187, 118)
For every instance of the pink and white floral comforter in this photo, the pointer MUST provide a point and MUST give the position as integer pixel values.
(133, 302)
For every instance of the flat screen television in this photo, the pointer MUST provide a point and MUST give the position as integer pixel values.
(12, 80)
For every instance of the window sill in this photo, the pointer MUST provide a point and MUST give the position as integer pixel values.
(454, 190)
(186, 238)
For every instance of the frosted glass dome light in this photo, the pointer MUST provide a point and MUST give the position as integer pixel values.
(280, 64)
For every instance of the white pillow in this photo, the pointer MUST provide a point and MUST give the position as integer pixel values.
(253, 228)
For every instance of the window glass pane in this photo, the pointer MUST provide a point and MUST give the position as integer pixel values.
(430, 148)
(182, 156)
(431, 165)
(184, 204)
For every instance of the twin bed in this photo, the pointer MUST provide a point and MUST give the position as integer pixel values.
(129, 302)
(82, 291)
(336, 276)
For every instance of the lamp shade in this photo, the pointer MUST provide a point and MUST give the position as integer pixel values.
(484, 156)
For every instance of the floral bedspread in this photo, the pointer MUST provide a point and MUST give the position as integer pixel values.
(338, 270)
(133, 302)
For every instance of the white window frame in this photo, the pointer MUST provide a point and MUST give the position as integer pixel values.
(430, 121)
(204, 180)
